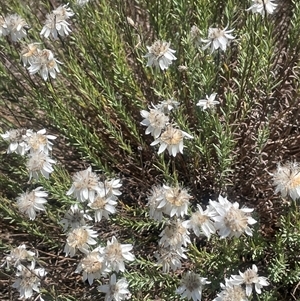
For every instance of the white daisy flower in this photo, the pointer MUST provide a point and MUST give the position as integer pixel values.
(115, 290)
(175, 201)
(74, 218)
(56, 22)
(39, 164)
(230, 220)
(115, 254)
(30, 202)
(110, 188)
(218, 38)
(154, 199)
(17, 141)
(18, 256)
(103, 206)
(80, 239)
(63, 11)
(174, 235)
(250, 278)
(39, 141)
(92, 266)
(28, 280)
(16, 27)
(262, 7)
(85, 185)
(287, 180)
(209, 102)
(155, 120)
(29, 53)
(170, 259)
(160, 55)
(172, 140)
(45, 64)
(191, 286)
(201, 222)
(55, 26)
(231, 292)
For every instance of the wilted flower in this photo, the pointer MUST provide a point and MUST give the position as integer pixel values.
(172, 140)
(29, 53)
(230, 220)
(201, 222)
(74, 218)
(231, 292)
(31, 202)
(196, 36)
(174, 235)
(166, 106)
(115, 290)
(191, 286)
(44, 63)
(287, 180)
(209, 102)
(80, 238)
(250, 278)
(15, 26)
(28, 280)
(160, 55)
(155, 120)
(17, 256)
(92, 266)
(170, 258)
(17, 139)
(85, 185)
(115, 254)
(39, 142)
(263, 6)
(217, 38)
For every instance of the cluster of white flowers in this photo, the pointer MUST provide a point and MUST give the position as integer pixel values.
(166, 134)
(28, 277)
(56, 22)
(40, 61)
(234, 286)
(222, 217)
(37, 147)
(101, 198)
(13, 26)
(101, 261)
